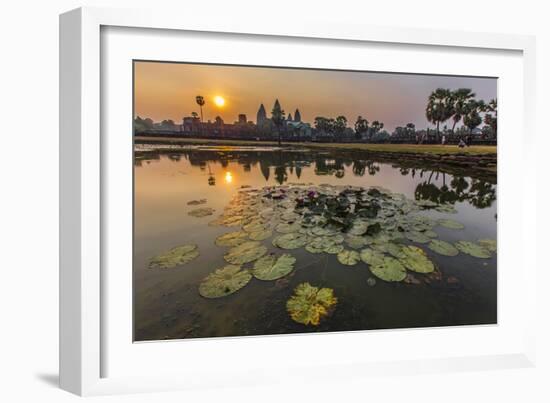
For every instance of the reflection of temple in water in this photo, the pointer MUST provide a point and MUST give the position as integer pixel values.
(438, 184)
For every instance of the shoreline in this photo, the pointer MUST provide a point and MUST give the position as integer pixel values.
(483, 158)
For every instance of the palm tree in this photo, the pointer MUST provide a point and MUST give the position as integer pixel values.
(491, 114)
(459, 100)
(472, 119)
(439, 108)
(200, 102)
(361, 127)
(278, 117)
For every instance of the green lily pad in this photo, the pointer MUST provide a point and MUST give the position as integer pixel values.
(270, 267)
(290, 241)
(201, 212)
(349, 257)
(310, 304)
(417, 237)
(174, 257)
(443, 248)
(355, 242)
(473, 249)
(196, 202)
(245, 253)
(232, 238)
(334, 249)
(372, 257)
(285, 228)
(416, 260)
(390, 269)
(261, 235)
(448, 223)
(389, 247)
(489, 244)
(446, 208)
(317, 245)
(254, 226)
(224, 281)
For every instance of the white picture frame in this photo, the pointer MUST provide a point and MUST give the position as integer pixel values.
(85, 166)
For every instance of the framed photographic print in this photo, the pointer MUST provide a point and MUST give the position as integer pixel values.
(234, 202)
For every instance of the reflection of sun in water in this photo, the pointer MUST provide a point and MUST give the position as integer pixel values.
(228, 177)
(219, 101)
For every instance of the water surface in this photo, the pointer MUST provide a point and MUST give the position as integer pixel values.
(167, 304)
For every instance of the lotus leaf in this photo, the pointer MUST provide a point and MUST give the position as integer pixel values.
(446, 208)
(254, 226)
(390, 269)
(285, 228)
(443, 248)
(416, 260)
(355, 242)
(261, 234)
(316, 246)
(430, 233)
(489, 244)
(334, 249)
(201, 212)
(349, 257)
(320, 231)
(389, 247)
(372, 257)
(196, 202)
(310, 304)
(417, 237)
(270, 267)
(245, 252)
(174, 257)
(448, 223)
(290, 241)
(224, 281)
(358, 228)
(473, 249)
(232, 238)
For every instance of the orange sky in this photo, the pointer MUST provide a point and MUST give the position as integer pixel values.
(168, 90)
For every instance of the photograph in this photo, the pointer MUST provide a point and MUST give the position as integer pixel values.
(273, 200)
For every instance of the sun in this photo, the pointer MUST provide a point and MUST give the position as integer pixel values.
(219, 101)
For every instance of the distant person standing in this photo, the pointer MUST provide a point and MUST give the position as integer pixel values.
(443, 140)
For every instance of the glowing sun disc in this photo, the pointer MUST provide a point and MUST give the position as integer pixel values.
(219, 101)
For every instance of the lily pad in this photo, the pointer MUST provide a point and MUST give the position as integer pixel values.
(245, 253)
(310, 304)
(448, 223)
(285, 228)
(473, 249)
(417, 237)
(489, 244)
(290, 241)
(174, 257)
(261, 235)
(390, 269)
(391, 248)
(334, 249)
(443, 248)
(201, 212)
(270, 267)
(196, 202)
(224, 281)
(416, 260)
(316, 246)
(355, 242)
(349, 257)
(372, 257)
(232, 238)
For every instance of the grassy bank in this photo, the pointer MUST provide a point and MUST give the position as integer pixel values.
(430, 149)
